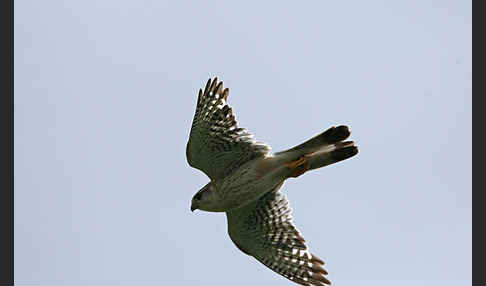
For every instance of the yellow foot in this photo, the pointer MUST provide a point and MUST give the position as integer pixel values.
(298, 167)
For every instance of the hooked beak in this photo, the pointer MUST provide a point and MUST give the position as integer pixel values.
(193, 208)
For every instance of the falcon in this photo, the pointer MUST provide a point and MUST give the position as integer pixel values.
(245, 181)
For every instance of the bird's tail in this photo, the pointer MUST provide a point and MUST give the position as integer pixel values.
(324, 149)
(338, 152)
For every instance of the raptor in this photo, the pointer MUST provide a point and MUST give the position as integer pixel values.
(245, 182)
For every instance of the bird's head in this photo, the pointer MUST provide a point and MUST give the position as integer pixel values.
(206, 199)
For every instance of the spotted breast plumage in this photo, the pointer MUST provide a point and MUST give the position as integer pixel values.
(245, 181)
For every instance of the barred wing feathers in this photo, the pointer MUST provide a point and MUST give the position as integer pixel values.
(217, 146)
(264, 230)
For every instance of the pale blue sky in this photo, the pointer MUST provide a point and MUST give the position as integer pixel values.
(105, 92)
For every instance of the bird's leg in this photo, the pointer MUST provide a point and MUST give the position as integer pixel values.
(298, 167)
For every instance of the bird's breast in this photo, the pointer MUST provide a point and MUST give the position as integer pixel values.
(246, 184)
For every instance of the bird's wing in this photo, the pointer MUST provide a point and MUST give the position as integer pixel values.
(264, 230)
(216, 145)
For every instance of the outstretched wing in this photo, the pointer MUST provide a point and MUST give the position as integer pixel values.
(264, 230)
(216, 145)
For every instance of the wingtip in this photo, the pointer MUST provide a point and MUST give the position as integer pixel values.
(213, 85)
(208, 84)
(316, 259)
(219, 88)
(226, 93)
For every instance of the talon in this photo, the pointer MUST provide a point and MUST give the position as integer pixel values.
(298, 167)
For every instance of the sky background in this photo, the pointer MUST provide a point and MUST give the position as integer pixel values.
(105, 92)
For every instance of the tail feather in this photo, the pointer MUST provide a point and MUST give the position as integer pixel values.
(324, 149)
(330, 136)
(340, 152)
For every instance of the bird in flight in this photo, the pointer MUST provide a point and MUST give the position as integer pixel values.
(246, 179)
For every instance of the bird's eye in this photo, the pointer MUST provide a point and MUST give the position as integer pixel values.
(198, 196)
